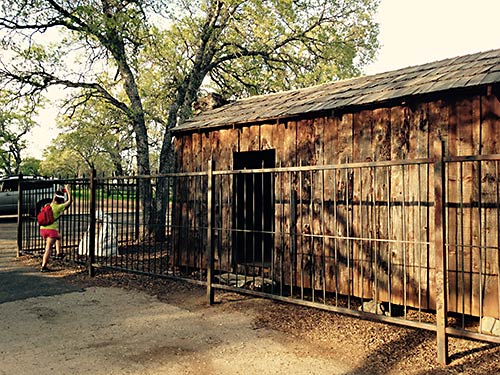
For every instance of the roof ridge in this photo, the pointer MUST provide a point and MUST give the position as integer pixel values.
(346, 80)
(475, 69)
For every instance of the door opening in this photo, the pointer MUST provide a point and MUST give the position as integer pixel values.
(253, 208)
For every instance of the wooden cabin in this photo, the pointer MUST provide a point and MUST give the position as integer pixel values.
(383, 246)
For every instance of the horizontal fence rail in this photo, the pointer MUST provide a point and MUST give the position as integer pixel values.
(355, 238)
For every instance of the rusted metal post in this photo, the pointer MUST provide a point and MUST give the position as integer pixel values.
(440, 253)
(210, 240)
(92, 226)
(20, 216)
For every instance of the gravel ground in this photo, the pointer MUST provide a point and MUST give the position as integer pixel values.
(358, 346)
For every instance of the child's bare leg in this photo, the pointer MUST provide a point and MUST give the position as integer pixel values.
(59, 246)
(48, 247)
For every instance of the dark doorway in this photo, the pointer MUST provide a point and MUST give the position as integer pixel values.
(253, 211)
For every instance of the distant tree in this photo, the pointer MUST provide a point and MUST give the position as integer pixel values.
(15, 124)
(74, 154)
(60, 162)
(98, 135)
(240, 47)
(30, 166)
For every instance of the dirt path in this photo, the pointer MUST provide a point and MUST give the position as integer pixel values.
(114, 331)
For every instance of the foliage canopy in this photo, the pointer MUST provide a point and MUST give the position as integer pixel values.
(152, 59)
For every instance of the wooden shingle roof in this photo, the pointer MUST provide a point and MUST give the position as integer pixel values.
(456, 73)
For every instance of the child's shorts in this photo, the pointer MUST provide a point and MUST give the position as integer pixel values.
(49, 233)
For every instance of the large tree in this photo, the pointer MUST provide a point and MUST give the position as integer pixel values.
(237, 47)
(241, 47)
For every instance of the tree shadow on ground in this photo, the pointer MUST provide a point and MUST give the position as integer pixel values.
(19, 284)
(396, 356)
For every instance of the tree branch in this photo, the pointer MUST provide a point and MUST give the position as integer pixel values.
(40, 81)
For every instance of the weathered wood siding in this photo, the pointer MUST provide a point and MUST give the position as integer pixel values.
(468, 125)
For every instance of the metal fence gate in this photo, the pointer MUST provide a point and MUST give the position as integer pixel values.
(409, 242)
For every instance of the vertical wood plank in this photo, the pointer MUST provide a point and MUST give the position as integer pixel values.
(210, 238)
(439, 120)
(464, 236)
(223, 144)
(343, 218)
(206, 148)
(490, 115)
(416, 225)
(392, 196)
(317, 205)
(331, 148)
(285, 135)
(178, 153)
(184, 238)
(440, 253)
(249, 138)
(375, 189)
(365, 137)
(305, 157)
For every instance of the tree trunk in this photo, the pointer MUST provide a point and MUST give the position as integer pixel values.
(166, 166)
(136, 113)
(182, 107)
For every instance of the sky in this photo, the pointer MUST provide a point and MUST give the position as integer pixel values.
(412, 32)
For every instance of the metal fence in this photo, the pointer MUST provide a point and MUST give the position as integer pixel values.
(407, 242)
(33, 194)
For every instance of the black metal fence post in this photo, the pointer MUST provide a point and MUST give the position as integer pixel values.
(137, 217)
(19, 216)
(210, 239)
(440, 253)
(92, 226)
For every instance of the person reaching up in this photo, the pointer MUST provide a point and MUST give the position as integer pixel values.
(50, 232)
